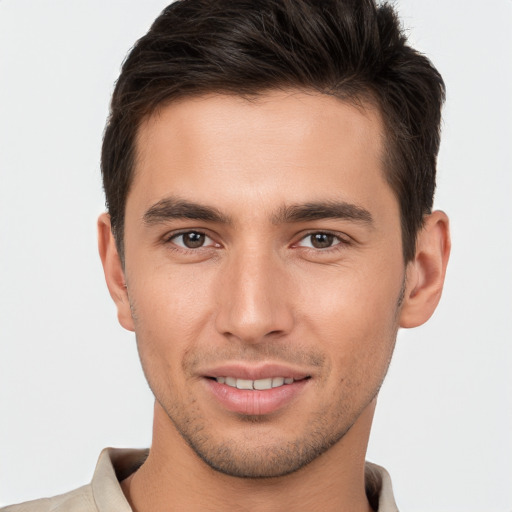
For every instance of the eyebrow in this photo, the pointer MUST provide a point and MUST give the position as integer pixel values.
(172, 208)
(323, 210)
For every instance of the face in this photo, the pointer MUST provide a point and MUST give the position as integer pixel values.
(264, 270)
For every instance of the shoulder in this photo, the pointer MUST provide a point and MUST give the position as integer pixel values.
(103, 494)
(79, 500)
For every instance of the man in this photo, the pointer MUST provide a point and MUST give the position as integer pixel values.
(269, 169)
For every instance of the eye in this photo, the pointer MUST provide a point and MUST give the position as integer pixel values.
(320, 240)
(191, 240)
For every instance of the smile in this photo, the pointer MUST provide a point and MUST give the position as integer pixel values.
(256, 397)
(260, 384)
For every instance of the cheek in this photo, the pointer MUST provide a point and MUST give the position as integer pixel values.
(170, 309)
(346, 297)
(353, 315)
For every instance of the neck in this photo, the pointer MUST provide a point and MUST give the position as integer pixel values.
(174, 478)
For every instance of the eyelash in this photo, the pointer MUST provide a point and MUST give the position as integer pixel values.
(342, 242)
(169, 239)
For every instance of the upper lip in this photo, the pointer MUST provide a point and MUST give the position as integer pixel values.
(255, 372)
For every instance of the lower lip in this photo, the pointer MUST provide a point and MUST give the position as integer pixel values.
(255, 403)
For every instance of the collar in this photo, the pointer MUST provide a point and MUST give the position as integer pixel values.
(115, 464)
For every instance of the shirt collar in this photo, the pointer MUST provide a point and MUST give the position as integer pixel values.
(115, 464)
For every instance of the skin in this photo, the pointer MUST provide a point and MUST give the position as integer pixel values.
(262, 290)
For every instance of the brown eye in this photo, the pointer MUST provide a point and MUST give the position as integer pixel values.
(321, 240)
(190, 240)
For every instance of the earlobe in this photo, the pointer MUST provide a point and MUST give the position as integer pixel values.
(114, 273)
(426, 273)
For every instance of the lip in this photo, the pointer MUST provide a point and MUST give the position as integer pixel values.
(255, 372)
(256, 402)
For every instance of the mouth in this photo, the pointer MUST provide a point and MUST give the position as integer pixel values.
(258, 384)
(255, 391)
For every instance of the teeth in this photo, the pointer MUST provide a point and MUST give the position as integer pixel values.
(260, 384)
(231, 381)
(244, 384)
(277, 381)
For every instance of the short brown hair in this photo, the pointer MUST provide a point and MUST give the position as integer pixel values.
(352, 49)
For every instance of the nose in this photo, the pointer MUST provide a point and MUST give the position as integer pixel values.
(255, 298)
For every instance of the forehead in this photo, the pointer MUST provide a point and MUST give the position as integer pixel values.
(278, 147)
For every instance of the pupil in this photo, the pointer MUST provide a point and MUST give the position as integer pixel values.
(193, 240)
(322, 240)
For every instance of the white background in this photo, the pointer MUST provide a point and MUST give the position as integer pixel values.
(70, 381)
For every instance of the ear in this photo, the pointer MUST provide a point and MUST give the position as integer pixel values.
(114, 272)
(425, 274)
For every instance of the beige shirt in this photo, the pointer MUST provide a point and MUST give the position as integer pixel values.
(104, 493)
